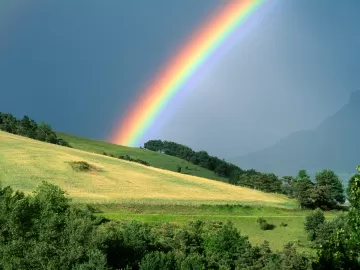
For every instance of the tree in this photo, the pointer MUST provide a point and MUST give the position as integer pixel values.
(321, 197)
(222, 170)
(302, 174)
(328, 228)
(287, 187)
(225, 247)
(327, 178)
(341, 250)
(302, 192)
(154, 145)
(158, 260)
(270, 183)
(291, 260)
(313, 222)
(44, 232)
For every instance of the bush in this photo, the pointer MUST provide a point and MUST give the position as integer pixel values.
(128, 158)
(282, 224)
(63, 143)
(264, 225)
(82, 166)
(313, 223)
(158, 260)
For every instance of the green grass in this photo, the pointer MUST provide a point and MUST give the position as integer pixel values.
(243, 217)
(155, 159)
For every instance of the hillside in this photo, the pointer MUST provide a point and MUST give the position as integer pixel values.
(25, 163)
(333, 144)
(155, 159)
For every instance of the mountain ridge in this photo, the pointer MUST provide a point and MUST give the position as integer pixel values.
(332, 144)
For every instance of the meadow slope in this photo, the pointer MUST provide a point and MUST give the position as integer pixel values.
(155, 159)
(24, 163)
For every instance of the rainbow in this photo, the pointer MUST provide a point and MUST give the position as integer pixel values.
(179, 70)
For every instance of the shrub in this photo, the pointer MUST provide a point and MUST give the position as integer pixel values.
(128, 158)
(313, 223)
(158, 260)
(62, 142)
(264, 225)
(282, 224)
(82, 166)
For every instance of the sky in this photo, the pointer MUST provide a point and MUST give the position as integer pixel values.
(79, 65)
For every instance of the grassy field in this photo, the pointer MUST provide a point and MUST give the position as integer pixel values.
(155, 159)
(25, 163)
(243, 217)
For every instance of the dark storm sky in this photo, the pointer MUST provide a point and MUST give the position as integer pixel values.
(79, 64)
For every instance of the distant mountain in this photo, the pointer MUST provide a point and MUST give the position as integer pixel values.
(334, 144)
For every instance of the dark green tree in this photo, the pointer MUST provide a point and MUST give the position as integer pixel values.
(327, 178)
(287, 187)
(302, 174)
(341, 250)
(158, 260)
(154, 145)
(227, 247)
(321, 197)
(302, 192)
(313, 222)
(44, 232)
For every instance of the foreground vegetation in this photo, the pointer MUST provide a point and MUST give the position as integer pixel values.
(44, 231)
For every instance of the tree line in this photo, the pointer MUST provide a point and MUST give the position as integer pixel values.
(202, 158)
(326, 192)
(44, 230)
(29, 128)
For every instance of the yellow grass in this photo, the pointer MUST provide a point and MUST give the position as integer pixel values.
(25, 163)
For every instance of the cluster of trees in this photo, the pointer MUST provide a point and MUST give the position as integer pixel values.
(338, 241)
(202, 158)
(45, 231)
(29, 128)
(267, 182)
(326, 192)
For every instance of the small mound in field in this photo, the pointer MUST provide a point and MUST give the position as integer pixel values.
(83, 166)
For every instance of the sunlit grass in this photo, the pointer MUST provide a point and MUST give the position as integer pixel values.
(25, 163)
